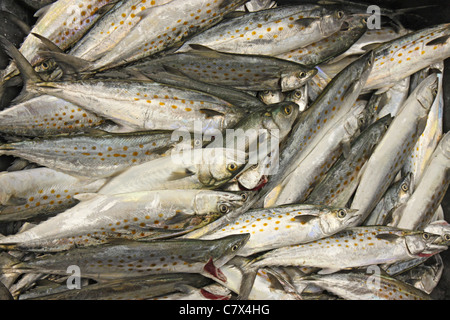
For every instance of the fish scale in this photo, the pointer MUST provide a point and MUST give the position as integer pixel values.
(399, 58)
(139, 215)
(285, 225)
(128, 259)
(323, 50)
(146, 105)
(245, 72)
(341, 180)
(66, 24)
(100, 155)
(391, 152)
(28, 194)
(272, 31)
(44, 116)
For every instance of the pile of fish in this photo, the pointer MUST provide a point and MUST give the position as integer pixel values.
(135, 176)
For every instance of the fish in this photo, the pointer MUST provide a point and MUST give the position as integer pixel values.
(396, 195)
(67, 22)
(350, 248)
(302, 180)
(5, 294)
(138, 288)
(428, 193)
(240, 71)
(98, 218)
(270, 32)
(363, 285)
(188, 169)
(328, 48)
(285, 225)
(399, 138)
(327, 110)
(257, 5)
(300, 97)
(46, 115)
(40, 192)
(213, 291)
(393, 99)
(126, 259)
(271, 96)
(337, 186)
(403, 56)
(96, 155)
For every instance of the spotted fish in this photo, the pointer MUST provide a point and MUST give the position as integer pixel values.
(390, 154)
(338, 185)
(285, 225)
(45, 116)
(271, 32)
(95, 155)
(98, 218)
(128, 259)
(429, 191)
(40, 192)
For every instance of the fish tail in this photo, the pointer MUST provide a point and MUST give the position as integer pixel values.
(249, 273)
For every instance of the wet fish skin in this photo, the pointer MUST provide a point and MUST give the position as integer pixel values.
(40, 192)
(98, 218)
(128, 259)
(285, 225)
(45, 116)
(336, 179)
(293, 26)
(401, 135)
(394, 98)
(188, 169)
(360, 285)
(430, 189)
(139, 288)
(240, 71)
(396, 195)
(93, 155)
(271, 96)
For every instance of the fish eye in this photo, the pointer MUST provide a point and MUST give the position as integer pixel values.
(244, 196)
(404, 187)
(298, 94)
(301, 75)
(340, 14)
(288, 110)
(364, 20)
(435, 91)
(223, 208)
(447, 237)
(232, 167)
(341, 213)
(426, 236)
(197, 142)
(235, 247)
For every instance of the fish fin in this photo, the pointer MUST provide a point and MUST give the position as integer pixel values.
(421, 124)
(177, 175)
(304, 218)
(387, 236)
(305, 22)
(107, 7)
(370, 46)
(174, 71)
(85, 196)
(50, 45)
(383, 90)
(437, 41)
(69, 64)
(234, 14)
(27, 72)
(346, 148)
(211, 113)
(18, 164)
(200, 47)
(248, 279)
(42, 11)
(328, 271)
(211, 270)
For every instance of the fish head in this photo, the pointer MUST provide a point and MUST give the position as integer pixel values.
(219, 165)
(227, 247)
(357, 119)
(378, 129)
(423, 244)
(336, 219)
(300, 97)
(405, 189)
(427, 91)
(330, 23)
(280, 116)
(210, 201)
(291, 80)
(442, 228)
(271, 96)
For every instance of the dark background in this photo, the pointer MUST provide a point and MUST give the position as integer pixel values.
(437, 13)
